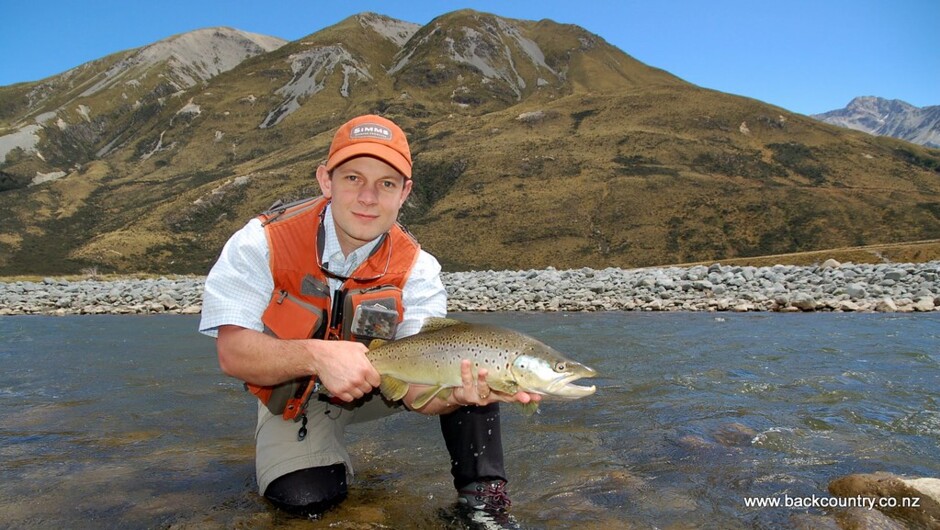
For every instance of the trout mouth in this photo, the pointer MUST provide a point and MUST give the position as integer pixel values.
(563, 387)
(551, 375)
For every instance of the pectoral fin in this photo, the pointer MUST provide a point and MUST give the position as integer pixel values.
(393, 389)
(529, 408)
(506, 386)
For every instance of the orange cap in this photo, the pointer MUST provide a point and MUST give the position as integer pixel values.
(371, 135)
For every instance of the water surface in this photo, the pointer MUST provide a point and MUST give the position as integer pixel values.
(126, 421)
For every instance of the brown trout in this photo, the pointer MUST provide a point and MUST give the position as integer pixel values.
(514, 361)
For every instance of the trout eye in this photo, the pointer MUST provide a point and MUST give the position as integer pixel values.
(560, 366)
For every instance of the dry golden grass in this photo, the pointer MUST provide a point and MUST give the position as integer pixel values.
(913, 252)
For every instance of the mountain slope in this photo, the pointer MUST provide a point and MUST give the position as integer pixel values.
(614, 180)
(535, 144)
(893, 118)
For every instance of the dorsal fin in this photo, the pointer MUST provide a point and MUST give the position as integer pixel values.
(430, 324)
(435, 323)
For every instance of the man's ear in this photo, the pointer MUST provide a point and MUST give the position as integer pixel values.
(406, 191)
(323, 178)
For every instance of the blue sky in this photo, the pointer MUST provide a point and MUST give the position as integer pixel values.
(808, 56)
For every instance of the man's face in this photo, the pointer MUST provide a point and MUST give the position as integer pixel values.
(366, 195)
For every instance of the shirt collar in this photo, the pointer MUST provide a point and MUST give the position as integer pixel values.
(333, 256)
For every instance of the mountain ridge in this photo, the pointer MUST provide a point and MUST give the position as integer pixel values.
(535, 144)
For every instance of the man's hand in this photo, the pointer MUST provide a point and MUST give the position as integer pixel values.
(252, 356)
(475, 391)
(343, 368)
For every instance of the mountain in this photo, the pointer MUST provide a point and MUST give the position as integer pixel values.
(85, 113)
(535, 144)
(889, 117)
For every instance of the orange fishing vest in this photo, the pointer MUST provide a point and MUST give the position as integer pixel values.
(367, 306)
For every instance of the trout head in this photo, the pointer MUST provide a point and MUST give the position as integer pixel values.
(541, 369)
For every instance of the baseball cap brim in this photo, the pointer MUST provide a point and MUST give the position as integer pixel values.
(382, 152)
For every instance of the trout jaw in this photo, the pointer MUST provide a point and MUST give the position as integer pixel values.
(563, 387)
(552, 377)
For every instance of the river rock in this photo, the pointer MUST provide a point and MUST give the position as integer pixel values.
(734, 435)
(925, 303)
(925, 514)
(803, 301)
(832, 286)
(849, 519)
(886, 305)
(856, 290)
(694, 442)
(194, 309)
(169, 303)
(865, 519)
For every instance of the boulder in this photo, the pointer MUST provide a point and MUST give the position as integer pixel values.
(924, 304)
(915, 501)
(850, 519)
(886, 305)
(803, 301)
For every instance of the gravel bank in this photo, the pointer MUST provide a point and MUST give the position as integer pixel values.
(831, 286)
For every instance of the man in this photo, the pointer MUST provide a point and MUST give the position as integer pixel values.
(298, 293)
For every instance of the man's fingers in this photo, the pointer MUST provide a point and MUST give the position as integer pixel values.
(483, 389)
(466, 376)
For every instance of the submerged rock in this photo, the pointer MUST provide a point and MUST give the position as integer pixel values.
(734, 435)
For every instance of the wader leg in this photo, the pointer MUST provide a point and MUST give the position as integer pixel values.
(474, 441)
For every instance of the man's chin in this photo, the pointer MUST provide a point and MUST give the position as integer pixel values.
(364, 236)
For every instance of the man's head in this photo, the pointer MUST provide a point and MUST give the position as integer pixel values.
(367, 176)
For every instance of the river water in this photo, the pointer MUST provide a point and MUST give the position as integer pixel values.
(127, 422)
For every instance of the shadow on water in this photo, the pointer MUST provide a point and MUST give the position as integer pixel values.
(127, 422)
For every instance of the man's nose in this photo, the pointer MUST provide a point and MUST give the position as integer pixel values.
(368, 195)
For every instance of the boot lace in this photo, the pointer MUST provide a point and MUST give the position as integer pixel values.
(492, 496)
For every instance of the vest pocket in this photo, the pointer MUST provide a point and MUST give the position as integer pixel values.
(289, 317)
(372, 313)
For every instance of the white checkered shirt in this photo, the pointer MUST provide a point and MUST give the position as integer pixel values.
(240, 285)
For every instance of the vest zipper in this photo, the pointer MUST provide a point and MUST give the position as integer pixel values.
(286, 295)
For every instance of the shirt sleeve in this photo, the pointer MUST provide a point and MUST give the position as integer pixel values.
(239, 286)
(423, 295)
